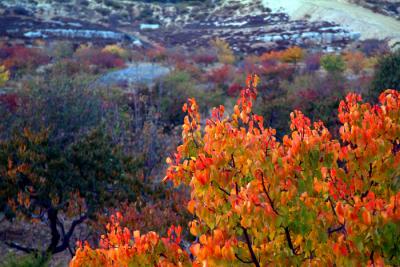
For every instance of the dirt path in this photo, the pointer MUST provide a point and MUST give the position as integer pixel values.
(355, 18)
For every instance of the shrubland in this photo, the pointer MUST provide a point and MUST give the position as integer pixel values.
(280, 187)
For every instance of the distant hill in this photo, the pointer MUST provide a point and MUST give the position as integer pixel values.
(248, 25)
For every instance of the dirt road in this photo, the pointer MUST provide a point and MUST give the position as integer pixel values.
(355, 18)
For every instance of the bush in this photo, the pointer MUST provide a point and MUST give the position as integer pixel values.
(333, 64)
(61, 49)
(313, 62)
(374, 47)
(293, 55)
(221, 75)
(387, 74)
(176, 88)
(205, 58)
(116, 50)
(22, 59)
(4, 75)
(224, 52)
(355, 61)
(234, 89)
(99, 58)
(31, 260)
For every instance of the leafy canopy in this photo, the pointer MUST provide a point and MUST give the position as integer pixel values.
(306, 200)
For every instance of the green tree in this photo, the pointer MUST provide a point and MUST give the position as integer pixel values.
(387, 74)
(40, 181)
(333, 64)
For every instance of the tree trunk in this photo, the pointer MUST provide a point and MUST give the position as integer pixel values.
(55, 235)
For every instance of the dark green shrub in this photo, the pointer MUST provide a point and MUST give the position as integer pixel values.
(387, 74)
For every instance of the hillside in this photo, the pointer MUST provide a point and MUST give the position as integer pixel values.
(352, 16)
(249, 26)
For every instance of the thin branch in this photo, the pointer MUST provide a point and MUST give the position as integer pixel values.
(21, 248)
(332, 206)
(371, 257)
(289, 240)
(271, 202)
(241, 260)
(61, 225)
(223, 190)
(248, 242)
(340, 228)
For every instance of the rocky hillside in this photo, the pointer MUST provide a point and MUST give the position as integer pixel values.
(249, 26)
(387, 7)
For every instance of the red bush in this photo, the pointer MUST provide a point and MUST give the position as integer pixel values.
(220, 75)
(108, 60)
(234, 89)
(205, 59)
(275, 70)
(102, 59)
(20, 57)
(157, 53)
(189, 68)
(9, 101)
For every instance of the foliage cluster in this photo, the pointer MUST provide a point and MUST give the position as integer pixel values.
(309, 199)
(18, 58)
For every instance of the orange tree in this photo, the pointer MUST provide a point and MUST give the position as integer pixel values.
(293, 54)
(308, 200)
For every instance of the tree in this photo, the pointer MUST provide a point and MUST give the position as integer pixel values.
(39, 181)
(293, 54)
(4, 75)
(333, 64)
(308, 200)
(387, 74)
(224, 52)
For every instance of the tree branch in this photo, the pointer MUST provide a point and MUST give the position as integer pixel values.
(223, 190)
(21, 248)
(337, 229)
(271, 203)
(65, 244)
(289, 240)
(248, 241)
(241, 260)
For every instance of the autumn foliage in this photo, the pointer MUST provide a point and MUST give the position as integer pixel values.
(306, 200)
(121, 247)
(4, 75)
(290, 55)
(19, 58)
